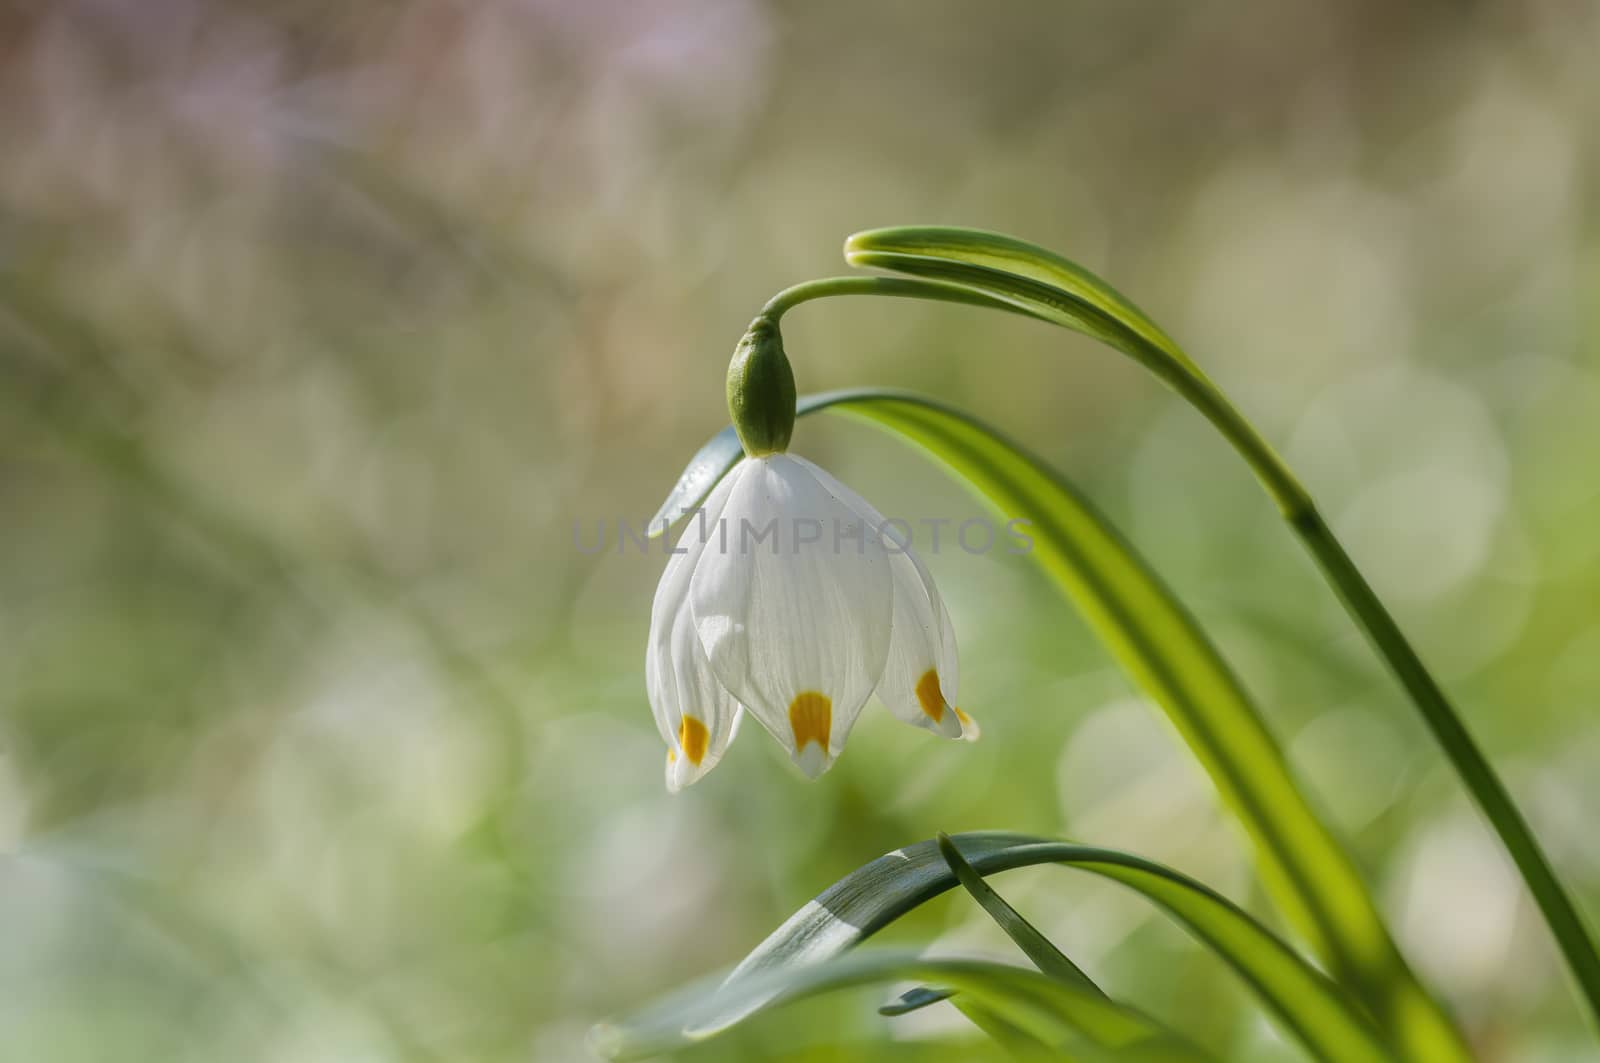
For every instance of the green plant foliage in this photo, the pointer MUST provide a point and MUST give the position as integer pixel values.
(1159, 644)
(915, 999)
(873, 896)
(1033, 944)
(1034, 280)
(1072, 1023)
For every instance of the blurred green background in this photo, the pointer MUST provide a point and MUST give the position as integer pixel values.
(322, 328)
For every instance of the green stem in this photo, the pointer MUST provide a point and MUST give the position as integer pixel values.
(1572, 935)
(1566, 923)
(827, 287)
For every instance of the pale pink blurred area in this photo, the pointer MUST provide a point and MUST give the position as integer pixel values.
(322, 326)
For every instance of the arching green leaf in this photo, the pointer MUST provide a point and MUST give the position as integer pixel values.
(1075, 1024)
(1033, 944)
(1307, 1002)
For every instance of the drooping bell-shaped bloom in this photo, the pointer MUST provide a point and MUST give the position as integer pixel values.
(790, 598)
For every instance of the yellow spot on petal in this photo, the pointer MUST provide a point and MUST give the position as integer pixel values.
(672, 756)
(969, 726)
(693, 737)
(811, 719)
(930, 696)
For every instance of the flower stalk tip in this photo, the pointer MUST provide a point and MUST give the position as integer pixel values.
(761, 394)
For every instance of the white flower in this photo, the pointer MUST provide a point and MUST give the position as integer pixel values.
(787, 598)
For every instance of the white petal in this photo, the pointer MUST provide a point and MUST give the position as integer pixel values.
(662, 667)
(708, 716)
(812, 760)
(918, 686)
(795, 615)
(923, 637)
(950, 678)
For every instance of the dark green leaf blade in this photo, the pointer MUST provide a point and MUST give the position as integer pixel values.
(1007, 253)
(1069, 296)
(1038, 948)
(915, 999)
(1079, 1025)
(1017, 1043)
(1306, 1001)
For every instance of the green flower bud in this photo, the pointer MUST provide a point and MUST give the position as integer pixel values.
(761, 392)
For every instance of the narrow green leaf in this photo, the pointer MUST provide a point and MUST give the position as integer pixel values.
(1080, 1025)
(1017, 1043)
(1099, 318)
(1306, 1001)
(1014, 1041)
(1038, 948)
(708, 465)
(1000, 252)
(915, 999)
(1031, 279)
(1165, 651)
(1030, 295)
